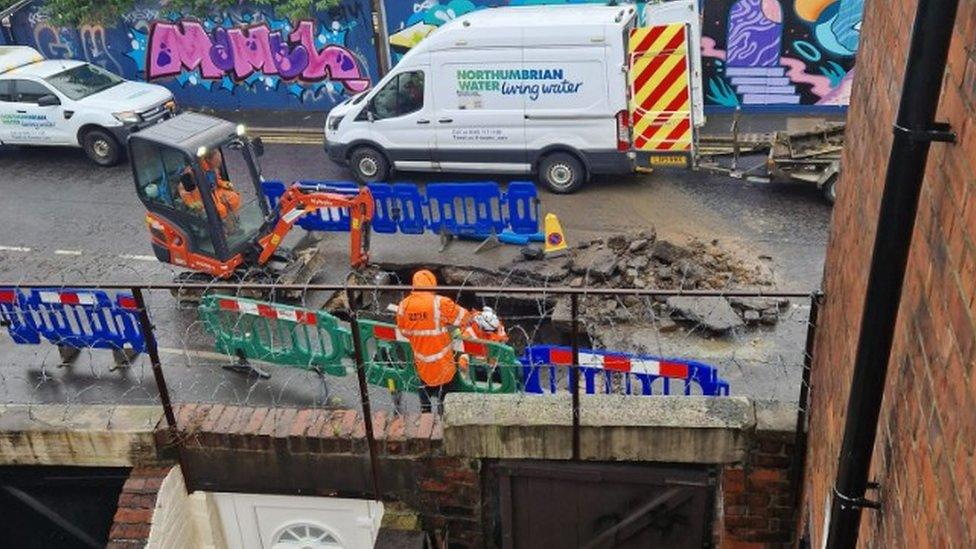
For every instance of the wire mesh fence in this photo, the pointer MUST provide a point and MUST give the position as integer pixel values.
(279, 345)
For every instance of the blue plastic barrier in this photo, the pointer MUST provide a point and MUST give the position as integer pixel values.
(523, 211)
(641, 375)
(15, 316)
(413, 211)
(386, 210)
(325, 219)
(458, 209)
(74, 320)
(464, 208)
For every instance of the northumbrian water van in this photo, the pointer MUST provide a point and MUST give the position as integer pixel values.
(513, 90)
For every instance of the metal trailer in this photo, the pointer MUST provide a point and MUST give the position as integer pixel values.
(810, 156)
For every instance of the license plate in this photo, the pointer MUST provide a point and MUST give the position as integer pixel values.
(681, 161)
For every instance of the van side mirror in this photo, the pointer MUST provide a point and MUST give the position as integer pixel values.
(370, 115)
(257, 146)
(49, 100)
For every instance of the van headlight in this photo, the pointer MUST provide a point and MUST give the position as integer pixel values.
(127, 117)
(333, 123)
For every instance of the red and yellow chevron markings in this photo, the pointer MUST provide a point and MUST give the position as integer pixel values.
(660, 103)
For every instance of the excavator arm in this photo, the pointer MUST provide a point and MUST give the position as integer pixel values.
(297, 202)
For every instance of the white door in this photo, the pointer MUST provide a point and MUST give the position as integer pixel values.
(24, 121)
(401, 113)
(479, 109)
(253, 521)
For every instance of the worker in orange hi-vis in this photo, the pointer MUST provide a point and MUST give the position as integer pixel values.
(486, 326)
(213, 166)
(428, 320)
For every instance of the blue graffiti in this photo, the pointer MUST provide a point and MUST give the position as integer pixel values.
(807, 50)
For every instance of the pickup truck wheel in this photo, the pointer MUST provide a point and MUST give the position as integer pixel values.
(829, 189)
(368, 165)
(101, 147)
(562, 173)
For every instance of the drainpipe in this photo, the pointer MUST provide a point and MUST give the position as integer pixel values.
(914, 130)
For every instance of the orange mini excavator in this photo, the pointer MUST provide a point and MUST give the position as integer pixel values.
(200, 181)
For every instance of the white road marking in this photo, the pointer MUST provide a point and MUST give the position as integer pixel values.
(67, 252)
(14, 249)
(138, 257)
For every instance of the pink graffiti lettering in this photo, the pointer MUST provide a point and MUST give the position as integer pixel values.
(241, 51)
(175, 47)
(333, 62)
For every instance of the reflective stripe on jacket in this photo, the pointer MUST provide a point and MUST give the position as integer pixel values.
(426, 320)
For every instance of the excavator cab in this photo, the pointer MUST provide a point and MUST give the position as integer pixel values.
(200, 181)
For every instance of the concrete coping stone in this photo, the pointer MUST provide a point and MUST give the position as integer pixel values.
(87, 417)
(688, 412)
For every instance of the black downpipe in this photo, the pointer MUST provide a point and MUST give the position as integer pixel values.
(915, 129)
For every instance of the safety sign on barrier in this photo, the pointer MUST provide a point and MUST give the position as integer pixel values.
(455, 209)
(74, 320)
(644, 370)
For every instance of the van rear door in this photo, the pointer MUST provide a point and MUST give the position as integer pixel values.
(479, 112)
(661, 93)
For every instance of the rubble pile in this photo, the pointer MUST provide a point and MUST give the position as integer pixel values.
(640, 261)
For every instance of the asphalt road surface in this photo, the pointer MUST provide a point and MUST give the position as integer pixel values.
(65, 221)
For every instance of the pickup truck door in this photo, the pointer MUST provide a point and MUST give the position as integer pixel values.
(24, 121)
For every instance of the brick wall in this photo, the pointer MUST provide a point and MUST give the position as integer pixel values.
(923, 458)
(137, 502)
(757, 508)
(323, 452)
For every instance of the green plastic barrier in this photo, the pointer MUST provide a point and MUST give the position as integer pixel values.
(389, 362)
(279, 334)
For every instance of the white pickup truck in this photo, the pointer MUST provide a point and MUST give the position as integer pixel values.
(72, 103)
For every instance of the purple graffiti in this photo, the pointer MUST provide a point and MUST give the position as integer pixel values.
(333, 62)
(239, 52)
(755, 33)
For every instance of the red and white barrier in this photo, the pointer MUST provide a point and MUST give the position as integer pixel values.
(272, 312)
(620, 363)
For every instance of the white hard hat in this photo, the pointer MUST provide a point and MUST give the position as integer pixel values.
(487, 320)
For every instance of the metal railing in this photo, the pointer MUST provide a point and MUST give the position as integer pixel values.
(355, 310)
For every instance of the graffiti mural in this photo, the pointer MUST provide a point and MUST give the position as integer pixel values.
(241, 58)
(759, 53)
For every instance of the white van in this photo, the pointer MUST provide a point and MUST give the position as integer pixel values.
(72, 103)
(533, 89)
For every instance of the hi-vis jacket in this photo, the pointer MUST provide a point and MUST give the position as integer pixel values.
(426, 320)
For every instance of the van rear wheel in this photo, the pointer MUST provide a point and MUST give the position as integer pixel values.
(562, 173)
(368, 165)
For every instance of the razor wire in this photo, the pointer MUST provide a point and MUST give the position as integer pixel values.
(763, 361)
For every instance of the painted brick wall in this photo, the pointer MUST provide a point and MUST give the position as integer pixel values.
(923, 458)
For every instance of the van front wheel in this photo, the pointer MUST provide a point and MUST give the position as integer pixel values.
(562, 173)
(368, 165)
(101, 147)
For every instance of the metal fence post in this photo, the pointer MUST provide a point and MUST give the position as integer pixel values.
(574, 374)
(153, 351)
(800, 435)
(364, 393)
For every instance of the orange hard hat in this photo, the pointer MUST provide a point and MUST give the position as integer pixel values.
(424, 279)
